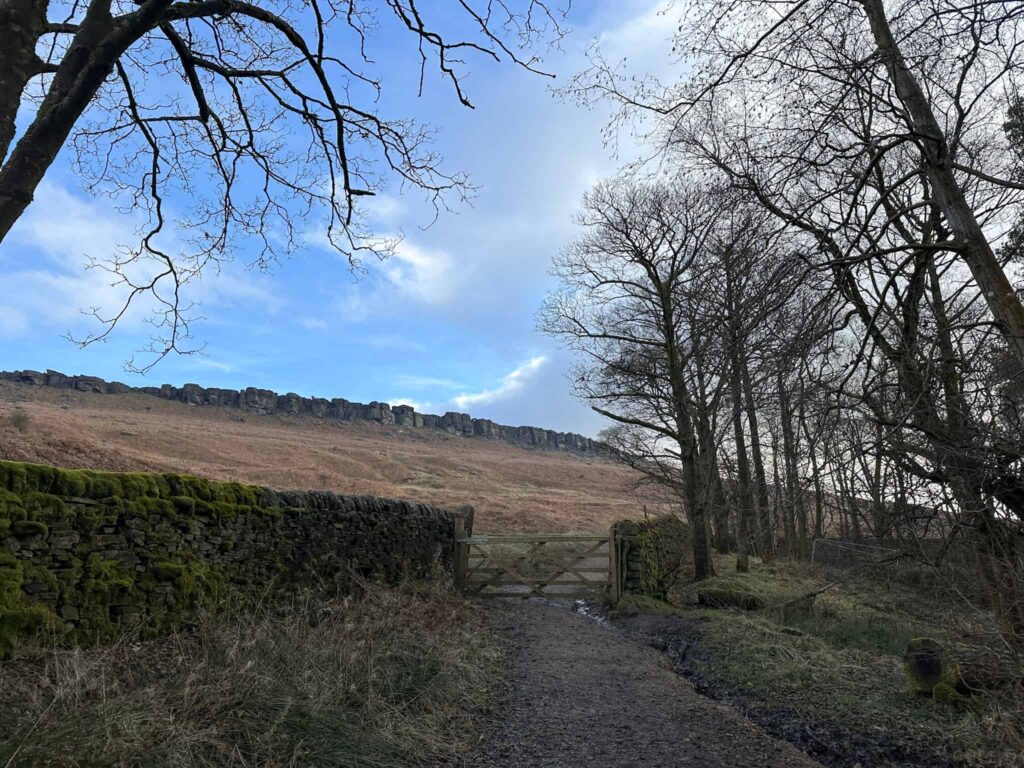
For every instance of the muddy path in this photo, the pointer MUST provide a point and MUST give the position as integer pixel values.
(833, 745)
(583, 694)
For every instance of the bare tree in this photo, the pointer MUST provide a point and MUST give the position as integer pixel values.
(818, 92)
(877, 132)
(621, 307)
(251, 119)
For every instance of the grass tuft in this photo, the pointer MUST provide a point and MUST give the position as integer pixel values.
(393, 678)
(839, 658)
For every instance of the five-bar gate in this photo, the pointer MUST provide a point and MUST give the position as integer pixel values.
(536, 565)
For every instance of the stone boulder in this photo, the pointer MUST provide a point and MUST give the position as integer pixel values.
(290, 404)
(192, 394)
(405, 415)
(35, 378)
(227, 397)
(90, 384)
(261, 401)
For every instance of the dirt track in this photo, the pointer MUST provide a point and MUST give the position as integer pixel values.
(586, 695)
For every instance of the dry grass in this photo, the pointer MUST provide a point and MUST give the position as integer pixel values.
(513, 489)
(393, 678)
(839, 660)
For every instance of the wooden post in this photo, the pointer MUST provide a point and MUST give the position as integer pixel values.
(461, 559)
(614, 567)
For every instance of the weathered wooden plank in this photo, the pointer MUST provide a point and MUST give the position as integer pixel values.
(513, 582)
(583, 569)
(556, 570)
(530, 538)
(525, 595)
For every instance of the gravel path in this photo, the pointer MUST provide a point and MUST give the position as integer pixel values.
(585, 695)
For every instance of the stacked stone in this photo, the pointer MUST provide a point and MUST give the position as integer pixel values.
(167, 544)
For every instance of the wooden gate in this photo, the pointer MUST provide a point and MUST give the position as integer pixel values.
(536, 565)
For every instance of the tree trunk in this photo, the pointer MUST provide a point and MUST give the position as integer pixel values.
(720, 516)
(789, 448)
(694, 483)
(90, 59)
(977, 253)
(819, 509)
(782, 501)
(766, 535)
(21, 24)
(697, 510)
(819, 501)
(744, 495)
(999, 559)
(718, 512)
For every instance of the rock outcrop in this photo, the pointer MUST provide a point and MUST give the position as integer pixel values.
(267, 402)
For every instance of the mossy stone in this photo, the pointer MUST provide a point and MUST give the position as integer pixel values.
(931, 671)
(19, 616)
(26, 528)
(659, 546)
(160, 547)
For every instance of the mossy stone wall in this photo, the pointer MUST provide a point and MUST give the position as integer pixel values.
(653, 553)
(83, 552)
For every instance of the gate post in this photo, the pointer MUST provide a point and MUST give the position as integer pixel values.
(461, 554)
(614, 565)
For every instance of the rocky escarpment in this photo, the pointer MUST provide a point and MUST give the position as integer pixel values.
(265, 401)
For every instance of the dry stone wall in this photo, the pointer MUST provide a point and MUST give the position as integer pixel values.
(84, 552)
(265, 401)
(652, 554)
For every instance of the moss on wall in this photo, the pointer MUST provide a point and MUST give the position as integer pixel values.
(654, 554)
(83, 553)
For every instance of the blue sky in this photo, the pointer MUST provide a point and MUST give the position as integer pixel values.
(446, 324)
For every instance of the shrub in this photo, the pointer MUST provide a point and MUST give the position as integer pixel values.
(19, 420)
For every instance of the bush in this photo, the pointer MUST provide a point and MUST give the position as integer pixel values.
(19, 420)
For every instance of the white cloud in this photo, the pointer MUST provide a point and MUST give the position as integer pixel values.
(411, 275)
(422, 274)
(233, 286)
(425, 382)
(46, 279)
(511, 383)
(67, 227)
(206, 362)
(383, 208)
(634, 37)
